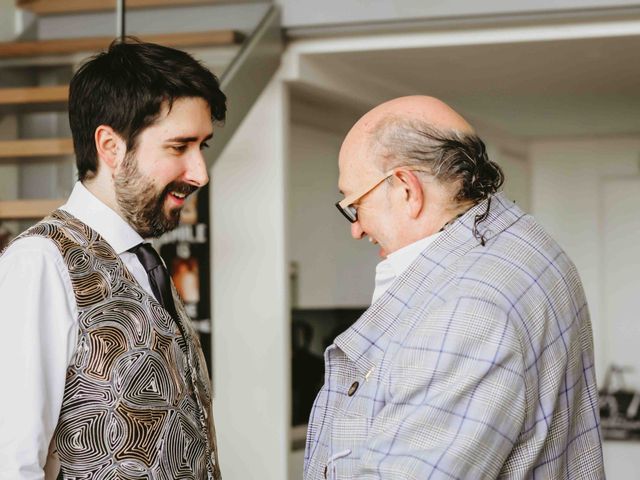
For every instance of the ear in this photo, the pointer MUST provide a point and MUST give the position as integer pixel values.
(110, 147)
(412, 193)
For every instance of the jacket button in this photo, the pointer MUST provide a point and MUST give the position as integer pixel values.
(352, 389)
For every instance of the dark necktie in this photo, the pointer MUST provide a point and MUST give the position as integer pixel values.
(158, 276)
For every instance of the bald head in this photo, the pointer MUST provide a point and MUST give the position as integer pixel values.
(424, 131)
(367, 134)
(427, 110)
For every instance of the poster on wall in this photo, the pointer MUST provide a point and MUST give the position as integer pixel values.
(185, 251)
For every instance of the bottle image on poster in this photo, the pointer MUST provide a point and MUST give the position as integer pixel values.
(185, 251)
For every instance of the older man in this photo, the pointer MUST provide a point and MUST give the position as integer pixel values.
(475, 359)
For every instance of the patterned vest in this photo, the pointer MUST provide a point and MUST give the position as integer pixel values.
(137, 395)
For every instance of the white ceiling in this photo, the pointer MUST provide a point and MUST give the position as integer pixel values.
(530, 89)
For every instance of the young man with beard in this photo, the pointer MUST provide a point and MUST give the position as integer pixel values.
(103, 374)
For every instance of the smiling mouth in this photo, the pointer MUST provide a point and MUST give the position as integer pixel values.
(179, 191)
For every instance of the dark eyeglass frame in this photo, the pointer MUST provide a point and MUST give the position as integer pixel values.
(346, 207)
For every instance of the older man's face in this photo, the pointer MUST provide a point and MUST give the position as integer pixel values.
(375, 210)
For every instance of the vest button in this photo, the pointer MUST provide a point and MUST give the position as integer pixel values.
(352, 389)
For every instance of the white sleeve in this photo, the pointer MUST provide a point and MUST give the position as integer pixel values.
(39, 334)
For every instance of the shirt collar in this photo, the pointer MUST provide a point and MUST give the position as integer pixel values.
(397, 262)
(87, 208)
(403, 257)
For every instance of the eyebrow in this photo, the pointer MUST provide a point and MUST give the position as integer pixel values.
(188, 139)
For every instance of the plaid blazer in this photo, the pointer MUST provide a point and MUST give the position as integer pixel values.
(476, 363)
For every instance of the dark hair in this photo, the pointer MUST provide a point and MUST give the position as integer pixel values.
(450, 156)
(126, 87)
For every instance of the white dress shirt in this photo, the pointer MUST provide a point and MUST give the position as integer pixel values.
(39, 333)
(397, 262)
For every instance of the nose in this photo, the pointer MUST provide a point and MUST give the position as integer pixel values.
(356, 230)
(197, 170)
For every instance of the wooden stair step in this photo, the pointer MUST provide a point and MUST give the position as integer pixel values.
(28, 209)
(49, 147)
(92, 44)
(45, 7)
(34, 95)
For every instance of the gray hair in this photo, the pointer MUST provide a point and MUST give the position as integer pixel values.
(450, 156)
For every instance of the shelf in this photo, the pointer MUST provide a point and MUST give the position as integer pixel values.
(91, 44)
(34, 95)
(49, 147)
(28, 209)
(45, 7)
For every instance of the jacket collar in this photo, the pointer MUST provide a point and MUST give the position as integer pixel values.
(366, 341)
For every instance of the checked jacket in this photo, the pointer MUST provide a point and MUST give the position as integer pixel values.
(477, 363)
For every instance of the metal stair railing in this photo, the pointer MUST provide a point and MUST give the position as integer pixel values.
(248, 74)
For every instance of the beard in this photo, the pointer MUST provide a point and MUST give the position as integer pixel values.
(142, 204)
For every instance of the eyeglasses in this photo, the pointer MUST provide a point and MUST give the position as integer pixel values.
(346, 206)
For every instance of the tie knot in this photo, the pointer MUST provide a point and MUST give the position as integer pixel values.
(159, 280)
(147, 255)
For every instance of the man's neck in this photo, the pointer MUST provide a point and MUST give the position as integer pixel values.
(103, 191)
(456, 213)
(434, 222)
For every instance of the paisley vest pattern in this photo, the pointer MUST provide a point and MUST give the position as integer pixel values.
(137, 394)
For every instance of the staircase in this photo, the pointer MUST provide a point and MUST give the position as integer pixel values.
(93, 44)
(34, 73)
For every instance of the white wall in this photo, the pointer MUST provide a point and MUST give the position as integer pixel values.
(571, 181)
(334, 270)
(517, 184)
(299, 13)
(621, 460)
(516, 168)
(251, 319)
(567, 199)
